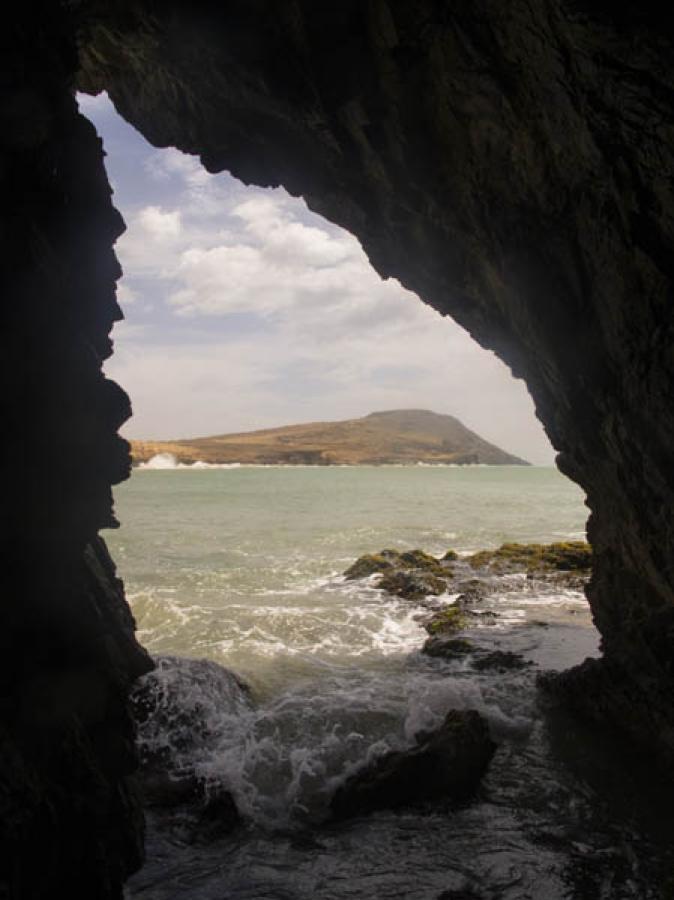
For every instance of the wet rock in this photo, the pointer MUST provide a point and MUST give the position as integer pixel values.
(500, 660)
(202, 810)
(371, 563)
(216, 815)
(190, 809)
(486, 616)
(412, 585)
(481, 659)
(569, 556)
(448, 620)
(447, 763)
(473, 590)
(419, 559)
(448, 648)
(412, 575)
(164, 789)
(180, 708)
(572, 152)
(569, 580)
(469, 598)
(602, 692)
(461, 894)
(415, 575)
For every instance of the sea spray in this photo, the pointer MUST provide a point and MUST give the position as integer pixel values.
(182, 707)
(283, 760)
(240, 567)
(160, 461)
(168, 461)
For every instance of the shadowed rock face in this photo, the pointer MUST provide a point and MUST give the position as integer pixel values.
(509, 162)
(70, 823)
(446, 764)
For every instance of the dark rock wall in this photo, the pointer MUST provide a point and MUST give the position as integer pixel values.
(512, 164)
(69, 822)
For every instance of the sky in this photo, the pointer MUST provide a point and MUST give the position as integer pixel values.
(245, 310)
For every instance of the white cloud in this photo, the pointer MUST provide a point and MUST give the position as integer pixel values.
(272, 220)
(278, 266)
(197, 388)
(159, 224)
(152, 242)
(324, 337)
(125, 296)
(162, 165)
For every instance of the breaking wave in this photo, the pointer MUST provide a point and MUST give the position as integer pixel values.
(283, 759)
(169, 461)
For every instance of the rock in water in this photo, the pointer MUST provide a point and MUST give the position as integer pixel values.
(447, 763)
(371, 563)
(412, 575)
(447, 621)
(500, 661)
(181, 708)
(412, 585)
(448, 648)
(567, 556)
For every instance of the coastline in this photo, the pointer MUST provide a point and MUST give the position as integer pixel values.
(201, 465)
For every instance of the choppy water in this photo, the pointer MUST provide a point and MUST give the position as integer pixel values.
(243, 566)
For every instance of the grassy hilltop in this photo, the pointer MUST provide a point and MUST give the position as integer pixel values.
(396, 436)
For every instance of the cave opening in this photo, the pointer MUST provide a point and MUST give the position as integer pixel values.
(281, 758)
(512, 166)
(229, 288)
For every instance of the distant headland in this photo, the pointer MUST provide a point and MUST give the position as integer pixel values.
(402, 436)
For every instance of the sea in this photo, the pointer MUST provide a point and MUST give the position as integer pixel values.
(243, 566)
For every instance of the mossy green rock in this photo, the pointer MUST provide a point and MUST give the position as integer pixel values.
(411, 575)
(412, 585)
(419, 559)
(568, 556)
(449, 620)
(371, 563)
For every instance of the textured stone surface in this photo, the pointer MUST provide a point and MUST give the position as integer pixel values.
(182, 709)
(509, 162)
(70, 824)
(445, 764)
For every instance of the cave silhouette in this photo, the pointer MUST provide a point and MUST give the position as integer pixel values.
(509, 163)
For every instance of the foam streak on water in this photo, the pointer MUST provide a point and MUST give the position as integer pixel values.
(243, 566)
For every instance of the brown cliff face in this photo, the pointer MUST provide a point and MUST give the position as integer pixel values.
(509, 162)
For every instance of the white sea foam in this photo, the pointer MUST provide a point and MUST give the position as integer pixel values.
(283, 759)
(168, 461)
(160, 461)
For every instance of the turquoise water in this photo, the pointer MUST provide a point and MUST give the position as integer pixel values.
(243, 566)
